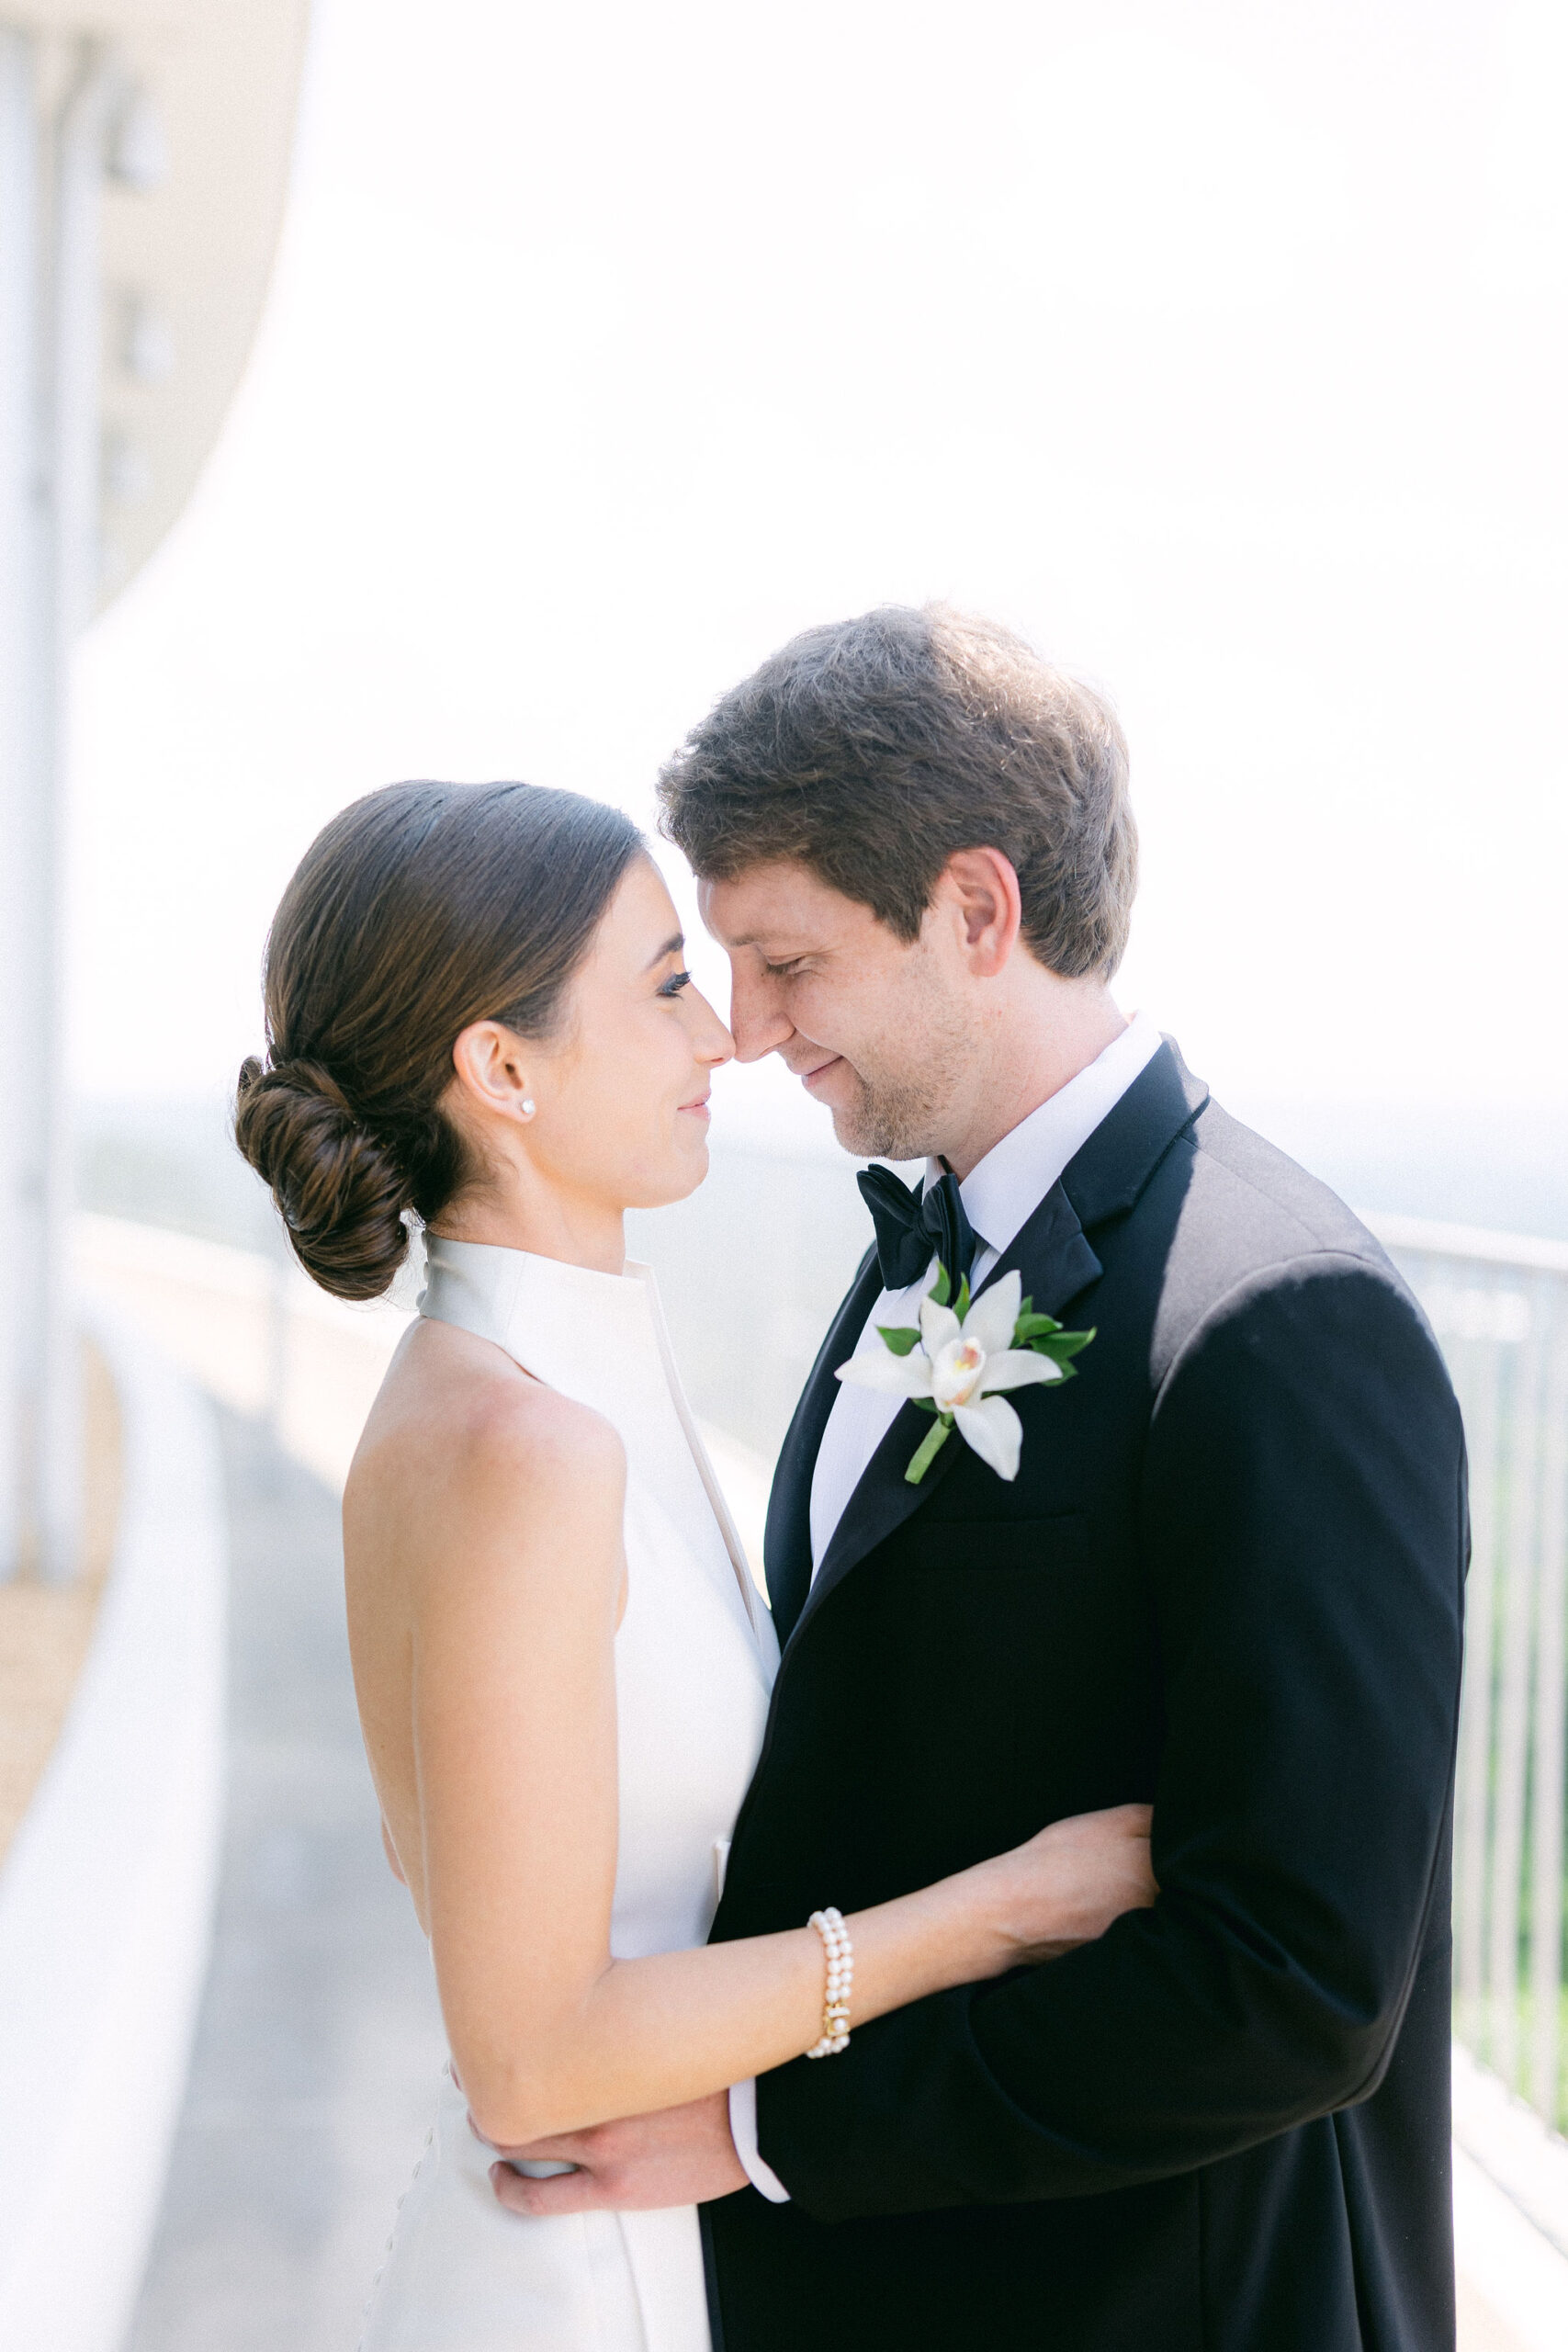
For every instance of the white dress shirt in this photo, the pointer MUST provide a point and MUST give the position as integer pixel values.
(1000, 1193)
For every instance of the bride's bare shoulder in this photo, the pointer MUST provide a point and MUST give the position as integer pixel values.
(458, 1429)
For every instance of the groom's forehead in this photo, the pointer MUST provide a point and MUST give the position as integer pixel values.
(763, 903)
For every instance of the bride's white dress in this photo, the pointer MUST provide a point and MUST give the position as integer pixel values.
(695, 1661)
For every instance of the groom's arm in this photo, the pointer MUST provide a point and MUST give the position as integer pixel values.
(1303, 1530)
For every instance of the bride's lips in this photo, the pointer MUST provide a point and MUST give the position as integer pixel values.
(698, 1107)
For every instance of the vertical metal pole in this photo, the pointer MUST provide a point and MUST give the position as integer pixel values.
(1518, 1564)
(74, 364)
(20, 587)
(1482, 1375)
(1550, 1761)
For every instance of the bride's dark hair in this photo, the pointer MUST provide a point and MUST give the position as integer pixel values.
(418, 910)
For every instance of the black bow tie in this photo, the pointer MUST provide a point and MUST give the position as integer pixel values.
(911, 1231)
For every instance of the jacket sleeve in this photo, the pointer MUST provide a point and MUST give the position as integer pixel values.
(1303, 1533)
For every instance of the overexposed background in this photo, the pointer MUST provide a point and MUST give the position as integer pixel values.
(1219, 348)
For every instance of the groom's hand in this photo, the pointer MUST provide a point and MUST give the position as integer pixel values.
(682, 2155)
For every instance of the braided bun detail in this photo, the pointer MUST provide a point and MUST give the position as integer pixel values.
(340, 1190)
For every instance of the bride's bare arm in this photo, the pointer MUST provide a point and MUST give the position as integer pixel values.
(516, 1589)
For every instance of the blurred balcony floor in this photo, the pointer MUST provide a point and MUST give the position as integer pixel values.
(319, 2047)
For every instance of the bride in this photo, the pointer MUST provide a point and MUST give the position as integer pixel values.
(477, 1019)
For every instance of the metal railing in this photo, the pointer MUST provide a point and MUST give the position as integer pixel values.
(1499, 1306)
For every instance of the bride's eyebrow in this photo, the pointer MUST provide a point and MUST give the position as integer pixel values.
(671, 947)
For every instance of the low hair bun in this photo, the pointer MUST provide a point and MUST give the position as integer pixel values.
(340, 1190)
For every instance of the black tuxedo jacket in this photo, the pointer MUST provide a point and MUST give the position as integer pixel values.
(1228, 1580)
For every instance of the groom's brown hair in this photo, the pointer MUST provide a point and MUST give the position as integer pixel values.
(872, 750)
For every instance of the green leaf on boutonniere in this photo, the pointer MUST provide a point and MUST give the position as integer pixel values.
(960, 1305)
(900, 1337)
(1060, 1345)
(1034, 1326)
(941, 1289)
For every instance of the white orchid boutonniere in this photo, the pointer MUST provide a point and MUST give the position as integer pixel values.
(968, 1351)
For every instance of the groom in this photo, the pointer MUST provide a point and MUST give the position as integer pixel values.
(1226, 1578)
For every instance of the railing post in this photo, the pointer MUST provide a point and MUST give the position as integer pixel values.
(1500, 1306)
(1549, 1762)
(1479, 1369)
(1517, 1581)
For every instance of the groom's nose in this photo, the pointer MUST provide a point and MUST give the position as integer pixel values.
(757, 1017)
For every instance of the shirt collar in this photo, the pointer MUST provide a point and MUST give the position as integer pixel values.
(1002, 1191)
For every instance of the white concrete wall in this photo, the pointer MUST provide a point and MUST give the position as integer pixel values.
(106, 1894)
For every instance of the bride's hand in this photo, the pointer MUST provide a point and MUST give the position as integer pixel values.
(1066, 1886)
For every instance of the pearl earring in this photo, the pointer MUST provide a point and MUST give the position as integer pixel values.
(528, 1107)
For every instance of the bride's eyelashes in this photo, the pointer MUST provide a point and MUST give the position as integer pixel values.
(677, 981)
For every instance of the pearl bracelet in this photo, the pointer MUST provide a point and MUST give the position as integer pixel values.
(829, 1926)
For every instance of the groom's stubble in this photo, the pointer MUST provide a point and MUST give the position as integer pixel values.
(907, 1078)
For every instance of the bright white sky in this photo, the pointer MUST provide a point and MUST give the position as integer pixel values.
(1219, 346)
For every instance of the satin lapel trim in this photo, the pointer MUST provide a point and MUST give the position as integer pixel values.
(1056, 1263)
(786, 1539)
(1051, 1254)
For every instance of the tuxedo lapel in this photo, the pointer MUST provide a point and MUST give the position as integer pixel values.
(786, 1541)
(1053, 1256)
(1056, 1263)
(1112, 1169)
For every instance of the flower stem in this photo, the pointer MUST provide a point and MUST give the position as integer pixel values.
(931, 1446)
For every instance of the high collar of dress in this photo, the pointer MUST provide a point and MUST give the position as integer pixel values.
(552, 1316)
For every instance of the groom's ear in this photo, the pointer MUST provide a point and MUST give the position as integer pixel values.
(979, 890)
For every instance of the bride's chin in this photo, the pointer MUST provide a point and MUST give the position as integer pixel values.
(694, 1173)
(676, 1181)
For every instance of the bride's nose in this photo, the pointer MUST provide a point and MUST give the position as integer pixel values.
(713, 1045)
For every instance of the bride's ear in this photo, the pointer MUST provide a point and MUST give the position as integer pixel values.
(491, 1065)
